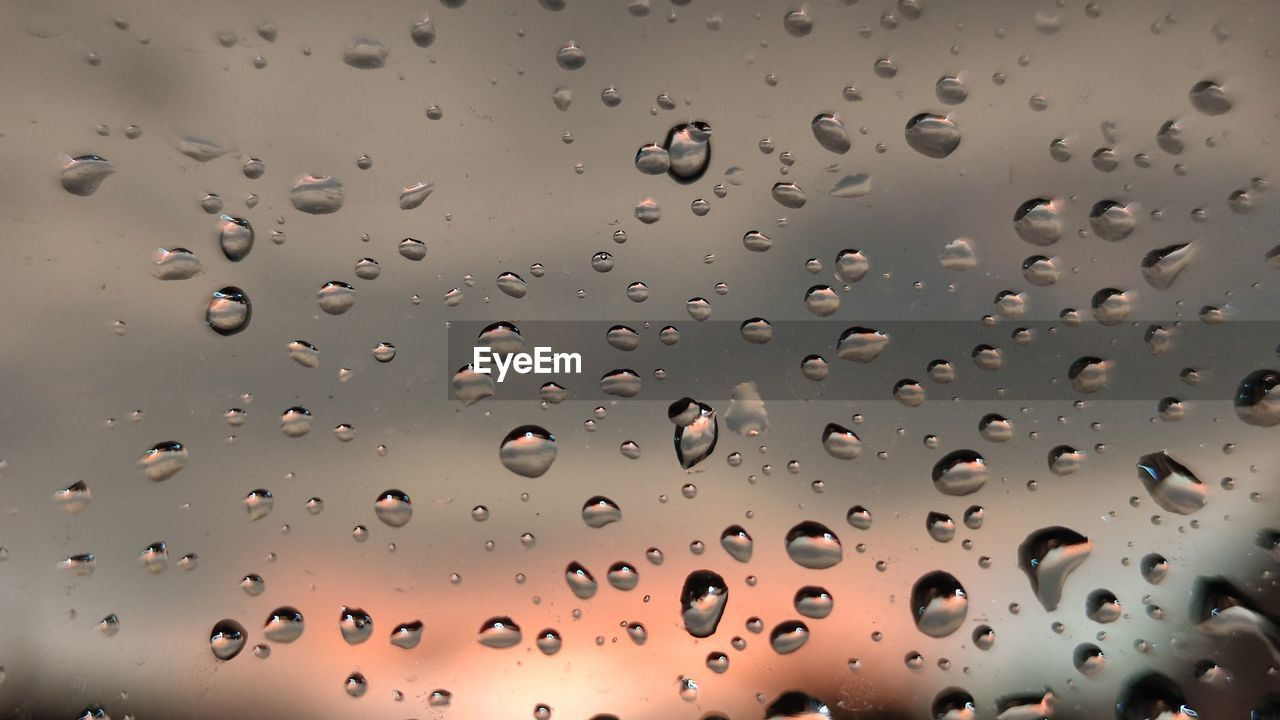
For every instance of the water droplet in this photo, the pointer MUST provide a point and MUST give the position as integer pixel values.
(570, 56)
(356, 625)
(830, 132)
(1170, 483)
(1038, 221)
(336, 297)
(789, 195)
(1209, 98)
(696, 440)
(861, 344)
(164, 460)
(199, 149)
(813, 602)
(365, 54)
(1152, 695)
(317, 194)
(600, 511)
(83, 175)
(939, 604)
(961, 472)
(788, 636)
(394, 508)
(702, 602)
(227, 639)
(499, 632)
(1048, 556)
(689, 148)
(933, 136)
(284, 625)
(1254, 402)
(423, 32)
(737, 542)
(229, 311)
(258, 504)
(813, 545)
(295, 422)
(411, 196)
(528, 450)
(1088, 374)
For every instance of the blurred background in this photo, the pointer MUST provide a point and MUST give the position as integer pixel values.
(132, 127)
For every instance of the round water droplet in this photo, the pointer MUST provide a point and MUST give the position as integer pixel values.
(227, 639)
(939, 604)
(394, 508)
(528, 450)
(229, 311)
(813, 545)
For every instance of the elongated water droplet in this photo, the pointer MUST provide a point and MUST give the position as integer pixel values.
(696, 440)
(737, 542)
(933, 136)
(702, 602)
(1174, 487)
(164, 460)
(84, 174)
(317, 194)
(499, 632)
(235, 237)
(830, 132)
(1048, 556)
(961, 472)
(1257, 402)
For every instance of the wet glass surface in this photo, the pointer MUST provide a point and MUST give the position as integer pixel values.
(927, 351)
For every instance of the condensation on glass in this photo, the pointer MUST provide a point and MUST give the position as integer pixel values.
(928, 359)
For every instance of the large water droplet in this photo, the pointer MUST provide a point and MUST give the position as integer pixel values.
(737, 542)
(229, 311)
(788, 636)
(1209, 98)
(284, 625)
(961, 472)
(830, 132)
(1048, 556)
(317, 194)
(1255, 402)
(580, 580)
(813, 545)
(933, 136)
(227, 639)
(1152, 696)
(861, 344)
(356, 625)
(689, 148)
(1038, 221)
(939, 604)
(528, 450)
(702, 602)
(235, 237)
(696, 440)
(164, 460)
(599, 511)
(82, 175)
(394, 508)
(499, 632)
(1174, 487)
